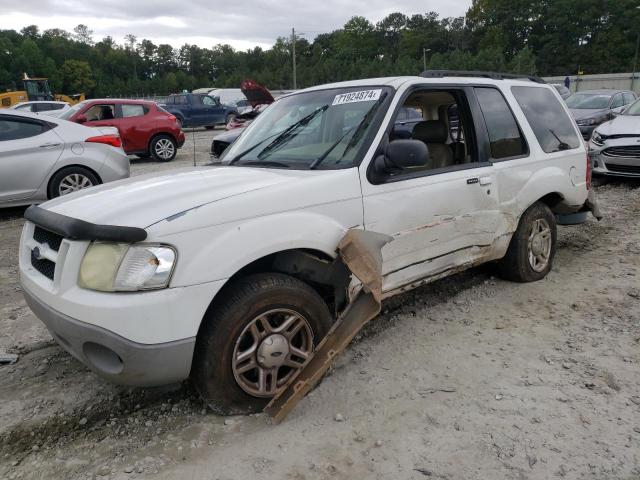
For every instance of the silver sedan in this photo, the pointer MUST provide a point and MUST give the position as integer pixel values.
(45, 157)
(614, 147)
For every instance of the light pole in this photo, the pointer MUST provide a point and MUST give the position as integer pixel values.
(424, 57)
(635, 59)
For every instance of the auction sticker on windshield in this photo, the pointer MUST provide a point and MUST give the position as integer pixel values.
(360, 96)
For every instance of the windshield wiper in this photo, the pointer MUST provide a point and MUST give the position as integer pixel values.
(561, 145)
(359, 128)
(291, 132)
(279, 136)
(264, 163)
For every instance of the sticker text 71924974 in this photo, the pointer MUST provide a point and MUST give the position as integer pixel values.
(360, 96)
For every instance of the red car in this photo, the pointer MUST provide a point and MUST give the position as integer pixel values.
(145, 128)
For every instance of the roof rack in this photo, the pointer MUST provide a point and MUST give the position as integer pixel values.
(491, 75)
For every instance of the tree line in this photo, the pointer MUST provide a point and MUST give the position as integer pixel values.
(543, 37)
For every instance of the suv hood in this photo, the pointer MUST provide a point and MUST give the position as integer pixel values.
(621, 125)
(147, 199)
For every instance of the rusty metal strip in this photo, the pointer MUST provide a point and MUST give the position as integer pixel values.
(361, 253)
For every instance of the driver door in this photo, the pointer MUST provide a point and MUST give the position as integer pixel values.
(441, 219)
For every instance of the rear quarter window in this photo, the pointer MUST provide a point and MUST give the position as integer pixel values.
(548, 119)
(133, 110)
(505, 137)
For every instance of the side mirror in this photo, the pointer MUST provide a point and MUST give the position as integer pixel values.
(81, 118)
(407, 153)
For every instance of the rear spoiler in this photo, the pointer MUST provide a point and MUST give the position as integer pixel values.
(75, 229)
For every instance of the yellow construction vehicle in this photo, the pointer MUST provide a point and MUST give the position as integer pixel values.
(36, 89)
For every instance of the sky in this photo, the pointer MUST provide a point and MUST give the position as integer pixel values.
(242, 24)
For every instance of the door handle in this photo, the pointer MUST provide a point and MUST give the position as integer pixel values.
(50, 145)
(485, 181)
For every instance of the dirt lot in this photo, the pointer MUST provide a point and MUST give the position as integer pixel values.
(468, 378)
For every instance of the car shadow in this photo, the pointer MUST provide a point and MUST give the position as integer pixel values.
(12, 213)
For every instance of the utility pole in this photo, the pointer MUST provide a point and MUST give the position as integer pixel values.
(635, 62)
(424, 57)
(293, 46)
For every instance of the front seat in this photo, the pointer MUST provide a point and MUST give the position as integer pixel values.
(434, 134)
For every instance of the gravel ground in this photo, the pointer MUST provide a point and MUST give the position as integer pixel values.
(468, 378)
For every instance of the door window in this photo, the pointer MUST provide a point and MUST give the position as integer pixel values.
(209, 100)
(549, 121)
(100, 112)
(15, 129)
(505, 137)
(428, 112)
(628, 98)
(617, 101)
(133, 110)
(27, 107)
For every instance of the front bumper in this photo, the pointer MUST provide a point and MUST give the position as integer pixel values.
(112, 356)
(615, 166)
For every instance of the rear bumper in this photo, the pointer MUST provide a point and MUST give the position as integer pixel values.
(113, 357)
(576, 218)
(180, 139)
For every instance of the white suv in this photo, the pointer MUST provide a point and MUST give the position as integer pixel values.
(224, 272)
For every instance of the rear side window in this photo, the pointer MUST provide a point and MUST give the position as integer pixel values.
(15, 129)
(133, 110)
(549, 121)
(628, 98)
(181, 100)
(618, 101)
(28, 107)
(504, 134)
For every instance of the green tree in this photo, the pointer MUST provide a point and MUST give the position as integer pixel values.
(76, 76)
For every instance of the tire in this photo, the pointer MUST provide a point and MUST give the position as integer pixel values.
(163, 148)
(226, 333)
(531, 252)
(71, 179)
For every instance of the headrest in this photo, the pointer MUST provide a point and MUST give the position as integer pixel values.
(430, 131)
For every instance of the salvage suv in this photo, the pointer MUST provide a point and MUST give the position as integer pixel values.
(222, 273)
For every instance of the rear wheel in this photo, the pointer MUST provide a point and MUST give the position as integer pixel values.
(71, 179)
(255, 340)
(163, 148)
(533, 246)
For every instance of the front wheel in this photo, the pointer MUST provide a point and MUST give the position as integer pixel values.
(533, 246)
(163, 148)
(255, 339)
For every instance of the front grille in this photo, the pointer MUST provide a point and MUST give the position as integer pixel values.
(627, 151)
(635, 169)
(43, 236)
(44, 266)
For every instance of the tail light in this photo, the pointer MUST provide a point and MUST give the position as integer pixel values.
(588, 172)
(113, 140)
(172, 117)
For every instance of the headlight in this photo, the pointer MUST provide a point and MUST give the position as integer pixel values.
(117, 267)
(597, 138)
(586, 121)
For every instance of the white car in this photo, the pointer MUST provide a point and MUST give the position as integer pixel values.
(45, 157)
(52, 108)
(226, 272)
(615, 146)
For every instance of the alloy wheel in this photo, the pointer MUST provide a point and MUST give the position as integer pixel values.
(269, 351)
